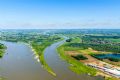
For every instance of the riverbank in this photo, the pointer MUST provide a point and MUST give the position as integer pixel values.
(2, 50)
(104, 69)
(75, 65)
(25, 66)
(39, 54)
(40, 58)
(38, 45)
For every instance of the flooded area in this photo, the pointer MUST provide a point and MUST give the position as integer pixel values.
(19, 63)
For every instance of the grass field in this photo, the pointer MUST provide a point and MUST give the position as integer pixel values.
(39, 50)
(75, 65)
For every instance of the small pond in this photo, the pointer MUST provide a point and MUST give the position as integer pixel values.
(105, 56)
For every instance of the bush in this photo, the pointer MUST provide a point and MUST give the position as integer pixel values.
(114, 59)
(68, 40)
(80, 57)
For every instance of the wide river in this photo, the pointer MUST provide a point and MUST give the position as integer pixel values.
(19, 63)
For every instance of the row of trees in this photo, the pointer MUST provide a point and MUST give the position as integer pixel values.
(79, 57)
(106, 56)
(99, 47)
(99, 39)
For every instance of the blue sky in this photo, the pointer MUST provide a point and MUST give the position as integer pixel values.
(55, 14)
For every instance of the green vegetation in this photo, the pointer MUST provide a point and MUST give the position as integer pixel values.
(75, 66)
(39, 50)
(90, 47)
(109, 43)
(113, 40)
(114, 59)
(82, 41)
(2, 78)
(2, 49)
(104, 56)
(68, 40)
(98, 47)
(79, 57)
(74, 40)
(111, 78)
(37, 41)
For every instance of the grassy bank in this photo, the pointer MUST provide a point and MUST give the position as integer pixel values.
(110, 78)
(2, 50)
(80, 48)
(75, 66)
(39, 51)
(38, 43)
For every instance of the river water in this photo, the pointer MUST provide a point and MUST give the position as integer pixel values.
(19, 63)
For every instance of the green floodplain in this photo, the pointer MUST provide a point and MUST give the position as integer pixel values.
(78, 40)
(39, 50)
(38, 45)
(76, 66)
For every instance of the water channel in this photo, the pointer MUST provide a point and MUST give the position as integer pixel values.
(19, 63)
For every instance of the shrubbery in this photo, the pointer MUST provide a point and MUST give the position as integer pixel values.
(114, 59)
(2, 49)
(79, 57)
(99, 47)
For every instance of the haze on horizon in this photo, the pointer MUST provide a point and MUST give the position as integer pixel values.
(59, 14)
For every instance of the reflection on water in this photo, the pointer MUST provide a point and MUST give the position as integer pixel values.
(19, 63)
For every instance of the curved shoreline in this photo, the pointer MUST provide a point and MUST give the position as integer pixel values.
(40, 58)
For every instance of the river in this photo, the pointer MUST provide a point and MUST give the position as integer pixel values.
(19, 63)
